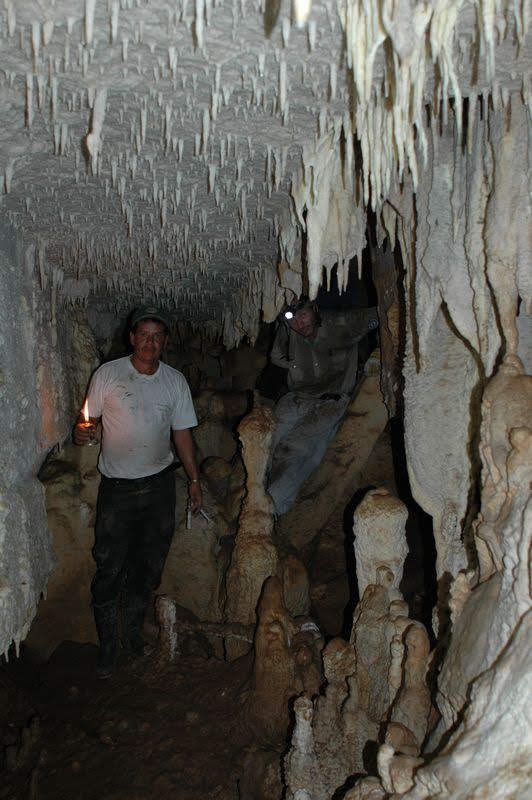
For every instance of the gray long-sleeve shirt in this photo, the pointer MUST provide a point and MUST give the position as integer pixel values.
(328, 362)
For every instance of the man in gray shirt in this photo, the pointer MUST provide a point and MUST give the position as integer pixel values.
(141, 402)
(320, 354)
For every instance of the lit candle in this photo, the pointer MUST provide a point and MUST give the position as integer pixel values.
(85, 412)
(88, 424)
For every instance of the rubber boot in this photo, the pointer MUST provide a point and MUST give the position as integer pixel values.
(106, 618)
(132, 622)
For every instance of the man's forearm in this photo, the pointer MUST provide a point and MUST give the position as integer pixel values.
(186, 450)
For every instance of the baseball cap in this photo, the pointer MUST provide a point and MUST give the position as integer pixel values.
(149, 312)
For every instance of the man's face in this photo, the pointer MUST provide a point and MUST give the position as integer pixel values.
(304, 322)
(148, 340)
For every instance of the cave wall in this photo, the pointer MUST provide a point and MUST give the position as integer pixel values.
(468, 398)
(465, 235)
(45, 362)
(34, 420)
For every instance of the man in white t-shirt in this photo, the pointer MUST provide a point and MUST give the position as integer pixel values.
(143, 405)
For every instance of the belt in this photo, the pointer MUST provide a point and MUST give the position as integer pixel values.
(138, 482)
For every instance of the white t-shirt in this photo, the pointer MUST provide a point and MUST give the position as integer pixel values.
(138, 411)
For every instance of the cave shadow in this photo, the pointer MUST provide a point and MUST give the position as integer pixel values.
(419, 584)
(286, 749)
(340, 793)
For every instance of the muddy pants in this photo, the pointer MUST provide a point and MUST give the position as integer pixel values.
(305, 428)
(134, 527)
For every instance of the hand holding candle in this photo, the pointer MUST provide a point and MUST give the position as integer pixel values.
(85, 431)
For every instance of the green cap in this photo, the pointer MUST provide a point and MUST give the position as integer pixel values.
(149, 312)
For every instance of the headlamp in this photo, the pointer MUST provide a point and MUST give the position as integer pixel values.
(291, 310)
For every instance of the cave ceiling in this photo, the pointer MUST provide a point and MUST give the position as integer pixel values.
(149, 148)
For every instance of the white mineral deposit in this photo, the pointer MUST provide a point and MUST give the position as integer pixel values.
(220, 158)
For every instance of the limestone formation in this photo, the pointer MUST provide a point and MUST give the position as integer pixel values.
(505, 428)
(165, 616)
(489, 754)
(484, 685)
(453, 339)
(379, 538)
(367, 789)
(214, 158)
(71, 485)
(412, 705)
(296, 590)
(36, 406)
(274, 671)
(335, 735)
(173, 125)
(286, 663)
(497, 603)
(254, 557)
(396, 771)
(213, 436)
(194, 571)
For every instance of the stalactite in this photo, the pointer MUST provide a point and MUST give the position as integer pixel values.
(89, 20)
(29, 99)
(302, 9)
(93, 138)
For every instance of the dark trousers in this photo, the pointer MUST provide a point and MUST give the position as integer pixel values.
(134, 527)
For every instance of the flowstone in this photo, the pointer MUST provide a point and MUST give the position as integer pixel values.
(487, 611)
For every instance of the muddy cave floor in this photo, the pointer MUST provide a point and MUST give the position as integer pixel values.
(144, 733)
(147, 732)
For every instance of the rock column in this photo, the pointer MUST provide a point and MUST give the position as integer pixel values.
(254, 556)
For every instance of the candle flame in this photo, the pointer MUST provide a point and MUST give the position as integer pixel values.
(85, 410)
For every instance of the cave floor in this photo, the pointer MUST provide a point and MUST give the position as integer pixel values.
(144, 733)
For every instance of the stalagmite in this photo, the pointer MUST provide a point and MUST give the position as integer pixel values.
(285, 664)
(254, 556)
(379, 539)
